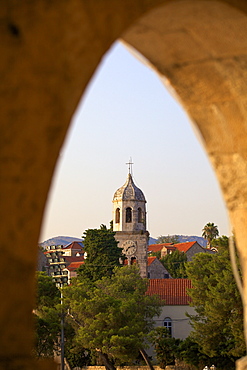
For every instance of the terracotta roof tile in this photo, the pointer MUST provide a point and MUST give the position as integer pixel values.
(172, 291)
(158, 247)
(74, 265)
(151, 259)
(184, 247)
(74, 245)
(70, 259)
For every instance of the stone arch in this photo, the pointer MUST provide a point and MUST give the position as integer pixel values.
(45, 70)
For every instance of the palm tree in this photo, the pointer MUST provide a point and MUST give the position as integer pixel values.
(210, 232)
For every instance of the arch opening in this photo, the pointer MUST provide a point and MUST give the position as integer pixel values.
(219, 112)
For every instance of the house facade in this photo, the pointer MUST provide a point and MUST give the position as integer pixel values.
(173, 292)
(156, 269)
(189, 248)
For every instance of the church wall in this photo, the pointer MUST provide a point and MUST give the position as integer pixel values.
(141, 240)
(134, 225)
(181, 327)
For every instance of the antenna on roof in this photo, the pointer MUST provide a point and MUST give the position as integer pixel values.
(130, 165)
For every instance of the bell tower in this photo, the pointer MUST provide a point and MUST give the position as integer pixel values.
(129, 223)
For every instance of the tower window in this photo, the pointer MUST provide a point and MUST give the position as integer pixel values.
(117, 216)
(133, 261)
(168, 325)
(140, 218)
(128, 215)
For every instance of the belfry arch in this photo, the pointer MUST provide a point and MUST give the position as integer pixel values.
(198, 48)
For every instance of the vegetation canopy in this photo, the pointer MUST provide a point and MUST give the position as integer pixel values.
(114, 315)
(102, 253)
(218, 323)
(210, 232)
(175, 264)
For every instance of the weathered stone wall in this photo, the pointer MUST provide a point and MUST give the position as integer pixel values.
(156, 270)
(196, 248)
(140, 238)
(49, 51)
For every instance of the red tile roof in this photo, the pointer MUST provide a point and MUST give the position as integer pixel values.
(151, 259)
(74, 245)
(184, 247)
(172, 291)
(158, 247)
(70, 259)
(74, 265)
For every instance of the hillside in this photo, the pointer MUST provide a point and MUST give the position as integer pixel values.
(184, 238)
(64, 240)
(59, 240)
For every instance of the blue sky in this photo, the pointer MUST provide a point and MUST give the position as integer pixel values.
(127, 112)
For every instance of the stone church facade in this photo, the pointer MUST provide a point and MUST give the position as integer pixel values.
(129, 223)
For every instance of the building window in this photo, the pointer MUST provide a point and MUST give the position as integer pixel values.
(168, 325)
(117, 216)
(140, 218)
(128, 215)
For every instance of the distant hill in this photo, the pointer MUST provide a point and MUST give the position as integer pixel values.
(152, 240)
(199, 239)
(64, 240)
(59, 240)
(184, 238)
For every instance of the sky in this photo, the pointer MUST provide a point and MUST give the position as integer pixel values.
(128, 112)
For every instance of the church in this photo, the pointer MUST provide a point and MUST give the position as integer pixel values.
(129, 223)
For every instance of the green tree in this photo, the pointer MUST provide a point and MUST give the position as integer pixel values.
(114, 315)
(210, 232)
(102, 253)
(218, 323)
(165, 346)
(48, 294)
(168, 239)
(155, 254)
(175, 264)
(46, 317)
(221, 242)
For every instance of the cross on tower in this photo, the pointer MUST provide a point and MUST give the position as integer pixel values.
(130, 165)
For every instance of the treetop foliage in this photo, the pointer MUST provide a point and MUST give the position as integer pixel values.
(218, 323)
(221, 242)
(114, 315)
(175, 264)
(47, 293)
(102, 253)
(168, 239)
(210, 232)
(46, 319)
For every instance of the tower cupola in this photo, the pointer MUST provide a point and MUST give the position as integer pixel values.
(129, 208)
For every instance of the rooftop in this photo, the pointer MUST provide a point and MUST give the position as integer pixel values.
(172, 291)
(158, 247)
